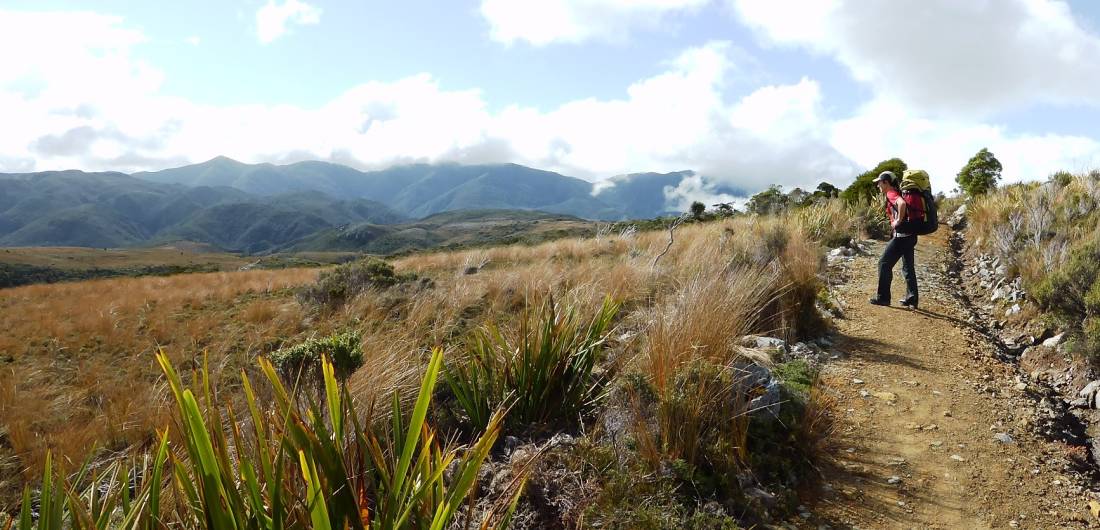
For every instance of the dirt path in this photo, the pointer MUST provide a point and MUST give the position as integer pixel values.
(921, 405)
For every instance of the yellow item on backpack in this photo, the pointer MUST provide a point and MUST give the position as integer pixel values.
(915, 180)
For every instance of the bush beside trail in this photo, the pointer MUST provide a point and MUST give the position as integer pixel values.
(1045, 234)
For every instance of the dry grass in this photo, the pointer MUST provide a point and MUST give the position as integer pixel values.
(78, 371)
(82, 373)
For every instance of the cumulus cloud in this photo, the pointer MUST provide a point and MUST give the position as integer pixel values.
(944, 56)
(541, 22)
(274, 18)
(682, 118)
(882, 129)
(85, 101)
(697, 188)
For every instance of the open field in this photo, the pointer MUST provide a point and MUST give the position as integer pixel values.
(36, 265)
(447, 231)
(70, 258)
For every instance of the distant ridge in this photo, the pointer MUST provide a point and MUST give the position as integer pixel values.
(260, 208)
(74, 208)
(419, 190)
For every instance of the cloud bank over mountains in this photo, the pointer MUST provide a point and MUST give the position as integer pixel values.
(82, 100)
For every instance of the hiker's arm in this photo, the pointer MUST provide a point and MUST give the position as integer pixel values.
(901, 212)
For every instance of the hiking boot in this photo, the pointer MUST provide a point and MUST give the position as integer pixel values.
(879, 301)
(911, 303)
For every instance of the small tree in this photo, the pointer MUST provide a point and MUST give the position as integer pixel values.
(769, 201)
(980, 174)
(725, 209)
(698, 209)
(863, 189)
(798, 197)
(827, 190)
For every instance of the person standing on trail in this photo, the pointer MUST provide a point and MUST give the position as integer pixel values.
(902, 246)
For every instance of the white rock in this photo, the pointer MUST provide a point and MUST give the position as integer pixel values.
(1054, 341)
(1090, 389)
(764, 343)
(1004, 438)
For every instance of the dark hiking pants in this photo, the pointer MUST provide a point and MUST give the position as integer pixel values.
(898, 248)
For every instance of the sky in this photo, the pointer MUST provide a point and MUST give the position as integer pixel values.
(746, 93)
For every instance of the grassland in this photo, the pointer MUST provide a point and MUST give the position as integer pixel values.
(36, 265)
(78, 375)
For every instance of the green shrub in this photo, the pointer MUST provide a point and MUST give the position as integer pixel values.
(339, 284)
(303, 361)
(545, 374)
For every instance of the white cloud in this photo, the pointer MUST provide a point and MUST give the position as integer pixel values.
(84, 101)
(541, 22)
(881, 130)
(273, 19)
(696, 188)
(193, 40)
(945, 56)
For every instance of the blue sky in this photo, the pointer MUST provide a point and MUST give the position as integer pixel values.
(748, 92)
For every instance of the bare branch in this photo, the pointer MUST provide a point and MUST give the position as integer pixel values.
(671, 236)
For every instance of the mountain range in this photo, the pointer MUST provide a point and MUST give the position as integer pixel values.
(265, 207)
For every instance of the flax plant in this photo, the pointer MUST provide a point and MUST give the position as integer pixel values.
(283, 468)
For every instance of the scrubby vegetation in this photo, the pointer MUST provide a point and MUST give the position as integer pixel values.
(621, 382)
(337, 285)
(302, 362)
(1046, 233)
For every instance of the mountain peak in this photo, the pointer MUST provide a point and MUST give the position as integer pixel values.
(222, 160)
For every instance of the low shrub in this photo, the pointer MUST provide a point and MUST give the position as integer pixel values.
(343, 282)
(544, 374)
(1071, 294)
(782, 449)
(302, 362)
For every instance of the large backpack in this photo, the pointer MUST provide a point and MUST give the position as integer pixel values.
(915, 183)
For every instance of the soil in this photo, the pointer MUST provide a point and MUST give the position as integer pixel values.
(922, 398)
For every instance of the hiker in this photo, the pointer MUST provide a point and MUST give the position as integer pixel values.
(900, 208)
